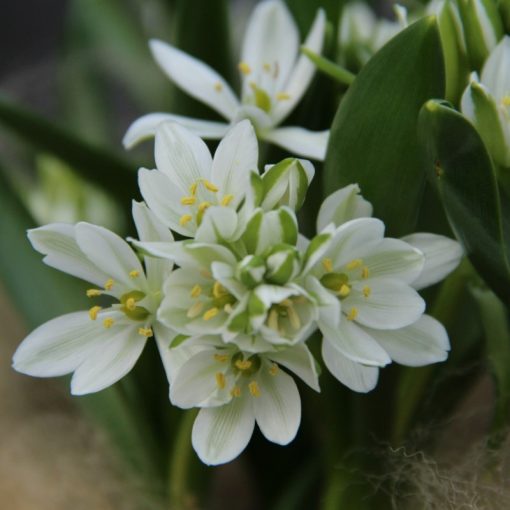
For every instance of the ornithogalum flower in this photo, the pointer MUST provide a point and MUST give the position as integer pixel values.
(274, 78)
(235, 390)
(100, 345)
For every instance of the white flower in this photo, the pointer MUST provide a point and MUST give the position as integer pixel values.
(188, 181)
(236, 389)
(486, 102)
(100, 345)
(274, 78)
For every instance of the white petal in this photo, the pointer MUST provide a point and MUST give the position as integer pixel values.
(392, 258)
(270, 294)
(421, 343)
(271, 38)
(442, 256)
(354, 343)
(496, 72)
(110, 361)
(343, 205)
(354, 375)
(58, 346)
(57, 242)
(327, 304)
(303, 72)
(278, 408)
(220, 434)
(194, 385)
(145, 127)
(195, 78)
(235, 158)
(391, 304)
(300, 141)
(299, 360)
(219, 224)
(149, 228)
(182, 156)
(163, 198)
(110, 252)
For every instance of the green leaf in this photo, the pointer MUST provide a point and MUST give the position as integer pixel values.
(373, 139)
(467, 185)
(95, 164)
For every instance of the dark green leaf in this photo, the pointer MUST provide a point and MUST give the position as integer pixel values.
(373, 138)
(469, 191)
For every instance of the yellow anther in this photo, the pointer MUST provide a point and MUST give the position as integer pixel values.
(108, 322)
(218, 290)
(218, 87)
(134, 273)
(354, 264)
(236, 391)
(274, 369)
(266, 67)
(195, 310)
(283, 96)
(203, 206)
(244, 68)
(353, 313)
(228, 308)
(367, 291)
(210, 186)
(505, 101)
(185, 218)
(344, 290)
(130, 303)
(221, 357)
(365, 272)
(188, 200)
(93, 292)
(272, 320)
(93, 312)
(221, 381)
(212, 312)
(254, 389)
(327, 264)
(146, 332)
(294, 319)
(193, 188)
(226, 200)
(243, 364)
(109, 284)
(196, 291)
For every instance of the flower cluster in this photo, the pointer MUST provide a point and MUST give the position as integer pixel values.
(234, 304)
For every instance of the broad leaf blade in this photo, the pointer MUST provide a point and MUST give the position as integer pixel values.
(373, 138)
(469, 191)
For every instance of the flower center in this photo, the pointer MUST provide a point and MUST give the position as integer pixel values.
(284, 314)
(209, 304)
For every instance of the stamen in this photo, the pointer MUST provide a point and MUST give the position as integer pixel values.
(352, 314)
(294, 319)
(218, 290)
(505, 101)
(236, 391)
(210, 186)
(344, 290)
(226, 200)
(108, 322)
(328, 265)
(93, 292)
(130, 304)
(243, 364)
(196, 291)
(134, 273)
(185, 218)
(367, 291)
(146, 332)
(272, 320)
(221, 357)
(354, 264)
(218, 87)
(93, 312)
(273, 370)
(203, 206)
(188, 200)
(193, 188)
(283, 96)
(109, 284)
(244, 68)
(212, 312)
(195, 310)
(228, 308)
(220, 380)
(365, 272)
(254, 389)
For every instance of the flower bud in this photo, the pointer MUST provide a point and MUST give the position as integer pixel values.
(282, 264)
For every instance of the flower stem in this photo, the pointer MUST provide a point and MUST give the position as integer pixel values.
(329, 68)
